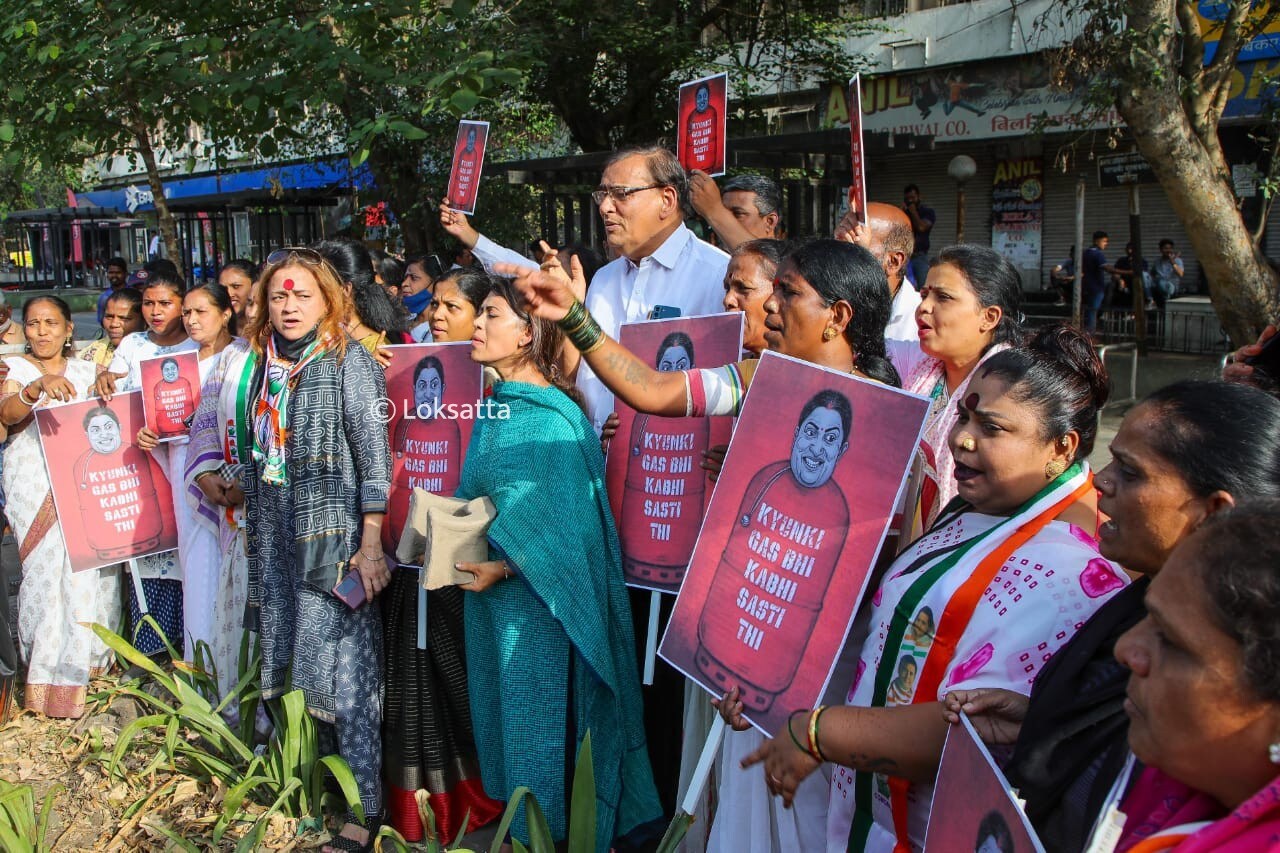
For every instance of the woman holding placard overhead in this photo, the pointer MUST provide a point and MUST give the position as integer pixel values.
(55, 604)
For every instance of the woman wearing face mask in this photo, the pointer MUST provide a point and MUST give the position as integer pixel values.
(428, 739)
(1203, 697)
(547, 620)
(55, 604)
(320, 456)
(1186, 452)
(209, 321)
(161, 573)
(1012, 567)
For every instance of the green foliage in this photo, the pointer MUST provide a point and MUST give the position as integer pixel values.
(21, 829)
(288, 778)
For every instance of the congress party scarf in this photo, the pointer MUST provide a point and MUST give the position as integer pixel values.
(271, 417)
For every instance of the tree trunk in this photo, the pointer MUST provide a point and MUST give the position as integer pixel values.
(1242, 285)
(168, 226)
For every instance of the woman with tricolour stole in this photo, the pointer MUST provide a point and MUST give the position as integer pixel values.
(1008, 572)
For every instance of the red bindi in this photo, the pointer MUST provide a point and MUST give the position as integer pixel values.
(288, 284)
(970, 402)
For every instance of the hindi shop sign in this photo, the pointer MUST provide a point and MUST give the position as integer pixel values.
(807, 492)
(1123, 170)
(656, 483)
(113, 501)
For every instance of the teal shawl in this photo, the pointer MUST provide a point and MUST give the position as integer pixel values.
(543, 469)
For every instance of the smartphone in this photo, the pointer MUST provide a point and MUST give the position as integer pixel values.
(1268, 360)
(351, 589)
(663, 312)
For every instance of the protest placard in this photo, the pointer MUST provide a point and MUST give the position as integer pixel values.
(434, 393)
(468, 162)
(857, 154)
(170, 393)
(973, 806)
(802, 505)
(657, 487)
(112, 499)
(702, 124)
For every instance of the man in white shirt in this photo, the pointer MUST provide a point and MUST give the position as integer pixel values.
(661, 264)
(888, 236)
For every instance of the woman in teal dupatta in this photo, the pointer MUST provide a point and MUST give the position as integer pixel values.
(549, 638)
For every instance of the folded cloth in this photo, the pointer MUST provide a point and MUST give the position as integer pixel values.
(442, 531)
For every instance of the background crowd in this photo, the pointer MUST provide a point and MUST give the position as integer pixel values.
(1113, 632)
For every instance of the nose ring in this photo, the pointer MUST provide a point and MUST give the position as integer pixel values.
(968, 443)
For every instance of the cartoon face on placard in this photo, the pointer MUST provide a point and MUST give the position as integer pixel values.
(657, 487)
(702, 124)
(170, 393)
(113, 501)
(432, 395)
(468, 163)
(807, 491)
(973, 806)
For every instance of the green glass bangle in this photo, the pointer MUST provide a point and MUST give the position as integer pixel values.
(794, 739)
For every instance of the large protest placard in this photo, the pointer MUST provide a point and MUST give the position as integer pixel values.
(170, 393)
(973, 806)
(806, 494)
(702, 124)
(468, 163)
(433, 397)
(657, 487)
(113, 501)
(857, 153)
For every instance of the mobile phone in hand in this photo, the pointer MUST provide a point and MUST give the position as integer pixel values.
(351, 589)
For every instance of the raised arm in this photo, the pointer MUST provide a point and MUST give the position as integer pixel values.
(632, 380)
(705, 197)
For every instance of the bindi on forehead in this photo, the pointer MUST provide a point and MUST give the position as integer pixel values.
(288, 284)
(971, 402)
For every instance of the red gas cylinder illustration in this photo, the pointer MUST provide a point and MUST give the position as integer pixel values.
(778, 561)
(425, 454)
(118, 503)
(664, 497)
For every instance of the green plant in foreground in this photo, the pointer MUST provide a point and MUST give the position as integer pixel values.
(21, 829)
(289, 778)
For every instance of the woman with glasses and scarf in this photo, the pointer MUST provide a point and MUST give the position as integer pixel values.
(316, 486)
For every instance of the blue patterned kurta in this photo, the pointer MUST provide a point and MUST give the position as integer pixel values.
(299, 538)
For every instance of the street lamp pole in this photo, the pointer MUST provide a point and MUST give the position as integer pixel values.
(961, 169)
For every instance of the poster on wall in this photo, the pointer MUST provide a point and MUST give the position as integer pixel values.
(434, 394)
(1017, 211)
(973, 806)
(808, 488)
(657, 487)
(170, 393)
(468, 163)
(702, 123)
(113, 501)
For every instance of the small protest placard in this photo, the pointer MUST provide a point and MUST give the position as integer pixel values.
(702, 124)
(468, 163)
(857, 154)
(434, 392)
(807, 492)
(657, 487)
(170, 393)
(973, 806)
(113, 501)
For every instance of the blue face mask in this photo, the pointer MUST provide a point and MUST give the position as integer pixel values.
(417, 302)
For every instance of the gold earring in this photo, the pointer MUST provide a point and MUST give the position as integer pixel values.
(1054, 469)
(968, 443)
(828, 333)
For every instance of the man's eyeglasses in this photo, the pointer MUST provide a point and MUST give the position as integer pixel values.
(308, 256)
(620, 193)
